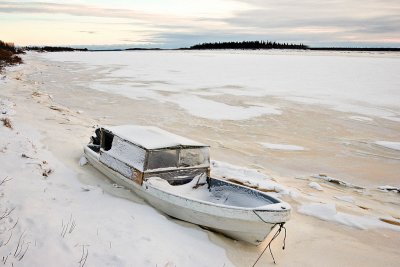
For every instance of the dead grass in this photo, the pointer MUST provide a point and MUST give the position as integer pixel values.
(7, 122)
(8, 58)
(8, 54)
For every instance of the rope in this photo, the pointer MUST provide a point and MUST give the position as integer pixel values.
(281, 226)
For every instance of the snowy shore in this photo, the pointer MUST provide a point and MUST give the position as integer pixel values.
(61, 213)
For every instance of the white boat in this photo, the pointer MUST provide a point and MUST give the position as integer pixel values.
(171, 173)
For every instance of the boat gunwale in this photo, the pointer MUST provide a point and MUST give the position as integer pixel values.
(257, 208)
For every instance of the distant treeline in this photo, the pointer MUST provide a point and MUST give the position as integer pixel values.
(366, 49)
(8, 54)
(140, 49)
(53, 49)
(248, 45)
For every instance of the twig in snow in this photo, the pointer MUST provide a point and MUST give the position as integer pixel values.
(23, 254)
(84, 256)
(6, 213)
(4, 244)
(26, 156)
(72, 227)
(20, 252)
(5, 180)
(4, 259)
(15, 224)
(19, 245)
(68, 227)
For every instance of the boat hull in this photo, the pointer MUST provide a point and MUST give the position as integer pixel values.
(245, 224)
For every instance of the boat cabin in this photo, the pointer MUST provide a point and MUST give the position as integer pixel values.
(140, 152)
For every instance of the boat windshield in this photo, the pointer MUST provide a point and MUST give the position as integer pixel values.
(178, 158)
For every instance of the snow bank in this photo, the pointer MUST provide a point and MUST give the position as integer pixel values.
(60, 221)
(327, 212)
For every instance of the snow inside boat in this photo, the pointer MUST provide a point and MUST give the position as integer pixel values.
(172, 173)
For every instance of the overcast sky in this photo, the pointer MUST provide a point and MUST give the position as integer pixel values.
(181, 23)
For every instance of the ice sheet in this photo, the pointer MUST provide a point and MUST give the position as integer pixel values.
(328, 212)
(282, 147)
(355, 84)
(388, 144)
(315, 186)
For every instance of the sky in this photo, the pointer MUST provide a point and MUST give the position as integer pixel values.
(182, 23)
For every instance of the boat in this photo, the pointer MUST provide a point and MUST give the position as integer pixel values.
(172, 174)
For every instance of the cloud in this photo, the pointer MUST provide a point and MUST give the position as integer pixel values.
(75, 10)
(314, 22)
(366, 20)
(88, 32)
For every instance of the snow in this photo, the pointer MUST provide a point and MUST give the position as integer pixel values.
(130, 154)
(122, 232)
(328, 212)
(116, 164)
(249, 177)
(58, 219)
(365, 85)
(151, 137)
(214, 110)
(197, 190)
(389, 144)
(360, 118)
(282, 147)
(6, 108)
(83, 161)
(315, 186)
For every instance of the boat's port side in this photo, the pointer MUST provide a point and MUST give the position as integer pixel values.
(94, 157)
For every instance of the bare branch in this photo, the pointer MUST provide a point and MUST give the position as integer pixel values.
(5, 180)
(6, 213)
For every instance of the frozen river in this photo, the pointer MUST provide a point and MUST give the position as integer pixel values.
(286, 122)
(201, 82)
(291, 113)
